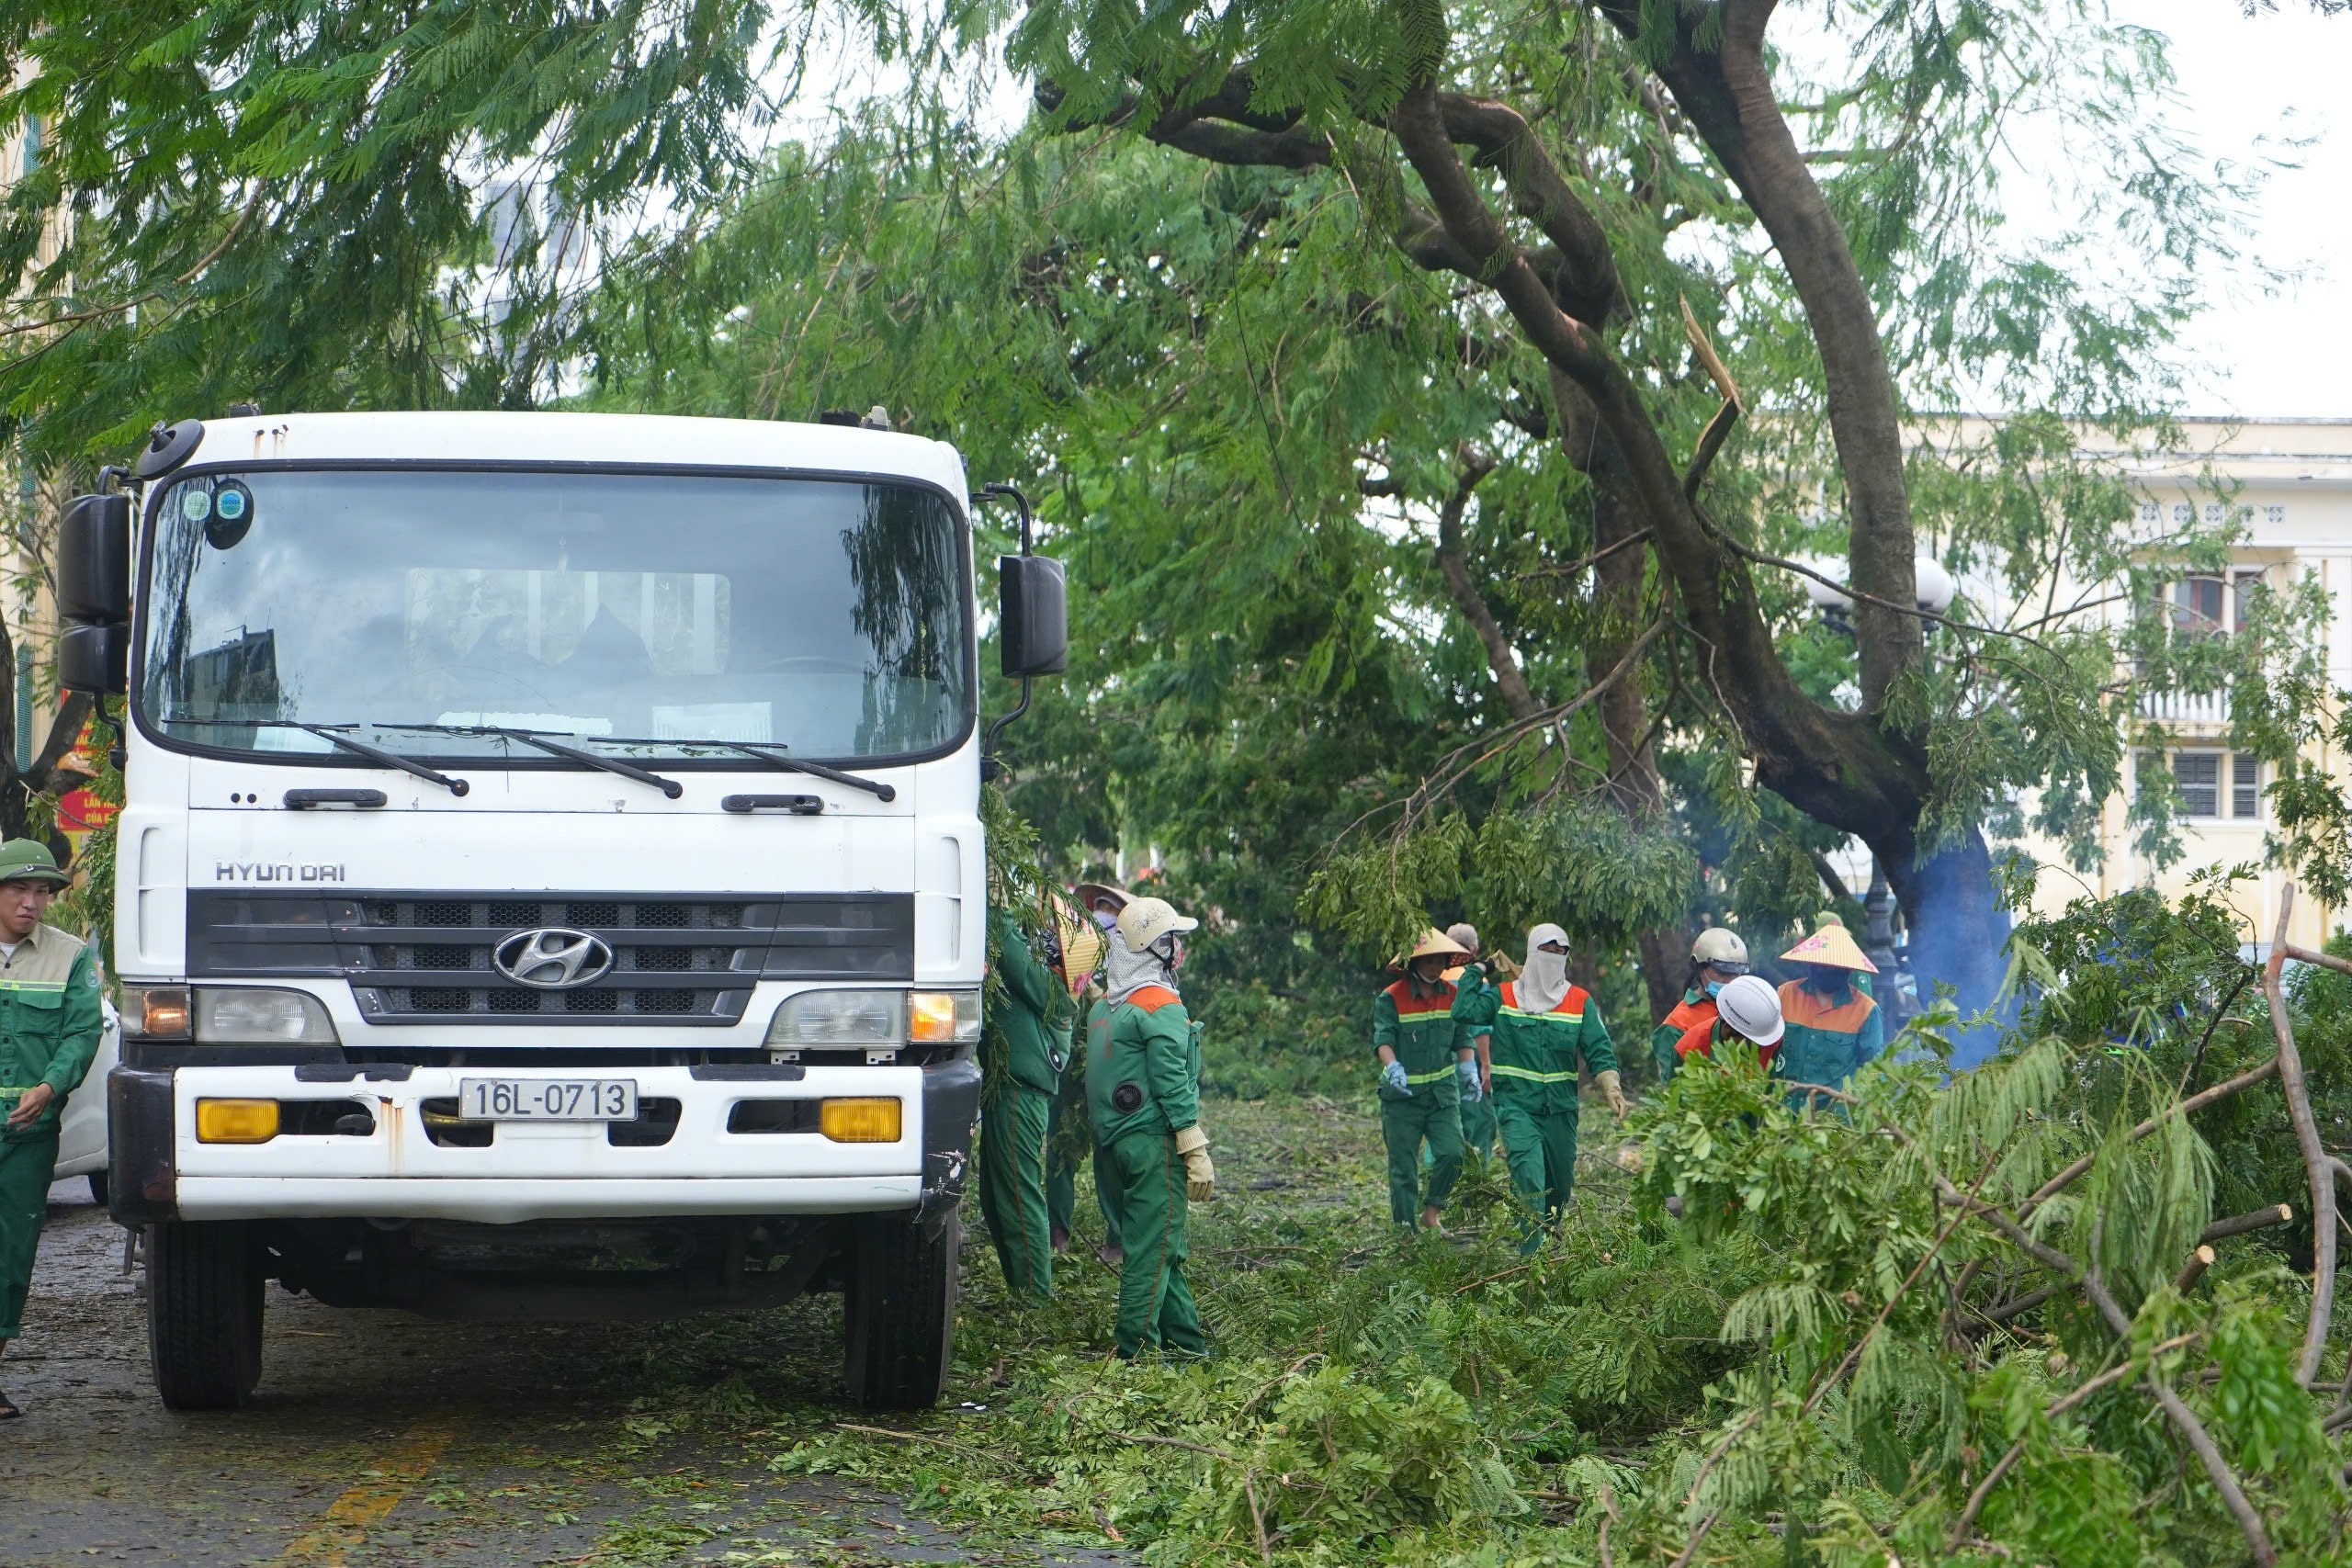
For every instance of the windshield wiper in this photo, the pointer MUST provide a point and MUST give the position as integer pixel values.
(357, 747)
(875, 787)
(670, 787)
(375, 754)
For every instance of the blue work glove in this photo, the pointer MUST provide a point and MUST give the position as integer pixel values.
(1393, 1076)
(1468, 1072)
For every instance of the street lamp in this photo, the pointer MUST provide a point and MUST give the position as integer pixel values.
(1934, 589)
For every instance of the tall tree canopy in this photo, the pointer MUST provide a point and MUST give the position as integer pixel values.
(1431, 400)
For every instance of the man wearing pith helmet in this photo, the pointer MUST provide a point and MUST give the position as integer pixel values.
(1833, 1025)
(1143, 1095)
(49, 1021)
(1427, 1070)
(1717, 958)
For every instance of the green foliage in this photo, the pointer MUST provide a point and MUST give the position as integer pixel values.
(1800, 1356)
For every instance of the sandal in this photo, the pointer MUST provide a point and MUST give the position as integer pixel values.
(8, 1411)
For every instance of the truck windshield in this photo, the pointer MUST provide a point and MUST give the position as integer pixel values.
(636, 612)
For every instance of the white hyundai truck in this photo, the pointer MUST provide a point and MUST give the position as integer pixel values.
(550, 879)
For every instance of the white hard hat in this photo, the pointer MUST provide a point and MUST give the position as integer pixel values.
(1751, 1009)
(1146, 920)
(1720, 949)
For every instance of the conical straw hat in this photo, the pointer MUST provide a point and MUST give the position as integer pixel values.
(1092, 893)
(1832, 946)
(1433, 944)
(1083, 943)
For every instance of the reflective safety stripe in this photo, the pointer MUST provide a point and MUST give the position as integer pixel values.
(1530, 1075)
(32, 985)
(1428, 1077)
(1546, 1017)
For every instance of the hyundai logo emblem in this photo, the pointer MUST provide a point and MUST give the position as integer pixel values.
(553, 959)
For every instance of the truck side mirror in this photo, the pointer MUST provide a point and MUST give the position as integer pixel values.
(1033, 625)
(94, 559)
(95, 659)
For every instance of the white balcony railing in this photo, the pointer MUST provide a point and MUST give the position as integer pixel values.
(2179, 707)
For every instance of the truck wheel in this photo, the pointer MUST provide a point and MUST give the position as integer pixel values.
(204, 1291)
(899, 1302)
(97, 1180)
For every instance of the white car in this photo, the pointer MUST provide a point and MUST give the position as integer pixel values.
(81, 1134)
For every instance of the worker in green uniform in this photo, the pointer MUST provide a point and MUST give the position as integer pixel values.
(1121, 970)
(1530, 1035)
(1478, 1109)
(1027, 1039)
(1834, 1026)
(1861, 980)
(1085, 935)
(1717, 958)
(49, 1021)
(1143, 1090)
(1426, 1070)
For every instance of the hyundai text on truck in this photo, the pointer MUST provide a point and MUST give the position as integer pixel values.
(549, 882)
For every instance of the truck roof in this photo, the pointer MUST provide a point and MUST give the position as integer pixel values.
(652, 440)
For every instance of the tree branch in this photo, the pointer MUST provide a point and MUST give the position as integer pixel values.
(1509, 681)
(2317, 1163)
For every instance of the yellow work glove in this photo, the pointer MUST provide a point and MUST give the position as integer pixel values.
(1200, 1176)
(1611, 1093)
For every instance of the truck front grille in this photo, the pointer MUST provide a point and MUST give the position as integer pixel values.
(679, 960)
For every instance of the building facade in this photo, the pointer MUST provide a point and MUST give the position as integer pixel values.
(2289, 483)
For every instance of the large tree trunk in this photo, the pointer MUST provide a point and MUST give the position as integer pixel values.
(1843, 769)
(1727, 90)
(1626, 720)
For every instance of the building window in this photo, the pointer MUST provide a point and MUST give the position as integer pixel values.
(2212, 603)
(2274, 515)
(2199, 779)
(2197, 776)
(2183, 513)
(2197, 607)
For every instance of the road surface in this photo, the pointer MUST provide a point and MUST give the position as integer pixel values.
(382, 1439)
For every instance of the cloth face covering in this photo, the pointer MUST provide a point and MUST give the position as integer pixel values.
(1544, 982)
(1126, 971)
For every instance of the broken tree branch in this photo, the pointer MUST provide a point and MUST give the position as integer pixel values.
(2238, 1224)
(2316, 1159)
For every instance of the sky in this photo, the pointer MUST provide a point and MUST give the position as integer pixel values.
(2279, 76)
(2249, 87)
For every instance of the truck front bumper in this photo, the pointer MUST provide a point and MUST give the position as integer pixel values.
(533, 1170)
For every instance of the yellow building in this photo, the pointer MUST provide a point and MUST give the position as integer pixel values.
(2290, 484)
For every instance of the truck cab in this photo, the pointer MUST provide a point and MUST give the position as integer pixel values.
(551, 880)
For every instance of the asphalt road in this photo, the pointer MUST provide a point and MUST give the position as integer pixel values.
(377, 1437)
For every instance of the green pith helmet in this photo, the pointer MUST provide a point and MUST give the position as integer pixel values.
(28, 859)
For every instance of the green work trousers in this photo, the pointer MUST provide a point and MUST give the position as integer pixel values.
(1061, 1177)
(1541, 1148)
(1478, 1126)
(1406, 1124)
(1156, 1310)
(26, 1170)
(1013, 1185)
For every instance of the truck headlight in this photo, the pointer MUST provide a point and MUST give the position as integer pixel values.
(225, 1015)
(246, 1015)
(943, 1018)
(817, 1019)
(156, 1013)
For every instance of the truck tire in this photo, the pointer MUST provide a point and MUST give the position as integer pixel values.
(204, 1293)
(898, 1304)
(97, 1180)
